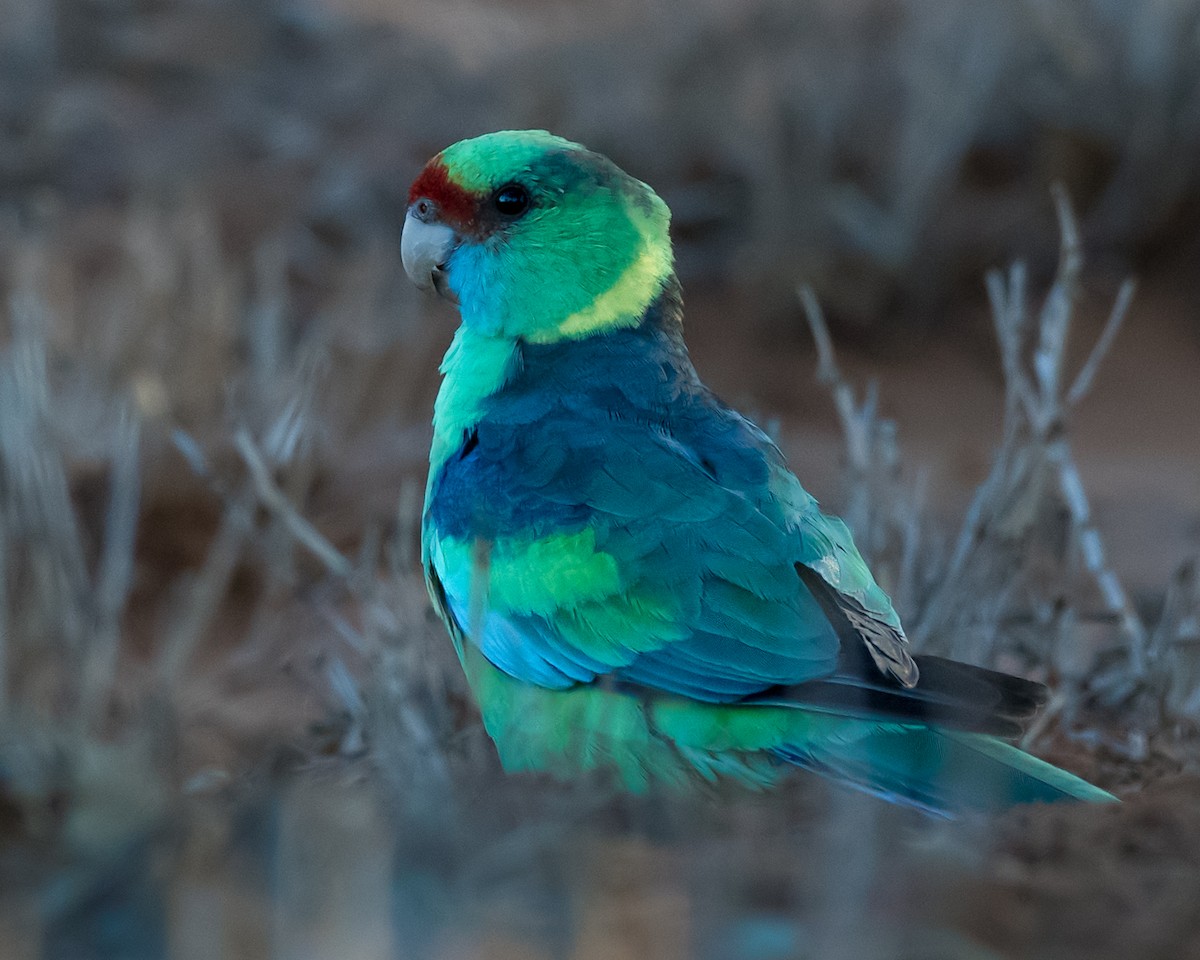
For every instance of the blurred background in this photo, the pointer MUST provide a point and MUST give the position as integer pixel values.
(229, 726)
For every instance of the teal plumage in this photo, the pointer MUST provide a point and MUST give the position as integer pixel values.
(632, 577)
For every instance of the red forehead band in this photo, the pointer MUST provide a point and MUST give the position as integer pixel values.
(454, 203)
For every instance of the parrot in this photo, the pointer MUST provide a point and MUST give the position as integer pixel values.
(634, 582)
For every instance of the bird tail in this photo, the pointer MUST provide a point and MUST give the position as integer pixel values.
(944, 773)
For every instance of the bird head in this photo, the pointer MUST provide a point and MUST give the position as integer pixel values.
(536, 237)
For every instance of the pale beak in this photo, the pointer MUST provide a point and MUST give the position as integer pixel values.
(425, 247)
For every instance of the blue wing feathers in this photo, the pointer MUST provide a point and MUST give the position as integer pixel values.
(617, 434)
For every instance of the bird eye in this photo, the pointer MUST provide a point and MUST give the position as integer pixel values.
(512, 200)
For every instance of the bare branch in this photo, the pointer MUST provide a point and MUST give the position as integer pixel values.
(1116, 317)
(1008, 319)
(827, 369)
(1070, 251)
(855, 422)
(116, 569)
(206, 591)
(274, 500)
(1091, 548)
(1055, 316)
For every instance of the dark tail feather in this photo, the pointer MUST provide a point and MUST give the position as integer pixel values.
(942, 772)
(952, 695)
(945, 692)
(1009, 696)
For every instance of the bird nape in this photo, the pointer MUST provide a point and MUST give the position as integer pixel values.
(633, 579)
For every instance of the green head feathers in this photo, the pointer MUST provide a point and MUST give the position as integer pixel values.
(537, 237)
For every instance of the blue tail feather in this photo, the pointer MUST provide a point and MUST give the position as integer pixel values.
(943, 773)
